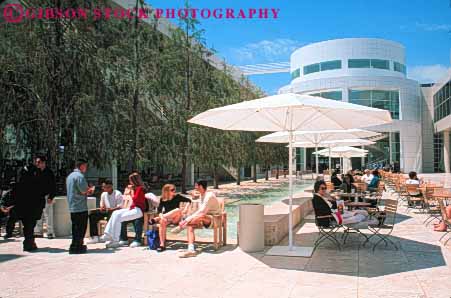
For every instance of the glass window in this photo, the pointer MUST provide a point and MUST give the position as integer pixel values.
(296, 73)
(359, 94)
(381, 64)
(399, 67)
(359, 63)
(335, 95)
(311, 68)
(442, 102)
(329, 65)
(381, 99)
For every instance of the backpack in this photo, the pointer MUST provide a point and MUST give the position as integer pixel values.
(153, 239)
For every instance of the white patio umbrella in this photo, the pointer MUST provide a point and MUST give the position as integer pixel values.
(342, 152)
(333, 143)
(291, 112)
(318, 137)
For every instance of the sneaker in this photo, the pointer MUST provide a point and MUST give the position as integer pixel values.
(93, 240)
(112, 244)
(176, 230)
(188, 254)
(135, 244)
(123, 243)
(105, 238)
(50, 236)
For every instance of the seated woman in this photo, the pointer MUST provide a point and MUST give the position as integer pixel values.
(136, 209)
(335, 180)
(323, 208)
(169, 210)
(374, 184)
(347, 185)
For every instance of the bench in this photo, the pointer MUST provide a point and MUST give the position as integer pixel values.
(219, 225)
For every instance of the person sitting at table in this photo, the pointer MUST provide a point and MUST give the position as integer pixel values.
(413, 179)
(322, 207)
(169, 212)
(367, 177)
(110, 200)
(335, 180)
(347, 186)
(374, 184)
(138, 206)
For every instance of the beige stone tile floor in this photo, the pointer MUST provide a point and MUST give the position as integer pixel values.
(420, 268)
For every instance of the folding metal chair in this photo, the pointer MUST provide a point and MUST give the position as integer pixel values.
(446, 220)
(327, 231)
(387, 220)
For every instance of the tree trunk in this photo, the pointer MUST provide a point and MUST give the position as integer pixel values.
(238, 178)
(188, 108)
(255, 171)
(267, 173)
(215, 178)
(277, 172)
(134, 157)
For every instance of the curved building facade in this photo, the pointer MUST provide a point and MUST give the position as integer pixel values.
(368, 72)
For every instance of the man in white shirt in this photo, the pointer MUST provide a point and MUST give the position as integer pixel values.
(110, 200)
(367, 177)
(209, 205)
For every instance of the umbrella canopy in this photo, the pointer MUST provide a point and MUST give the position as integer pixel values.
(343, 151)
(319, 136)
(345, 142)
(316, 138)
(290, 112)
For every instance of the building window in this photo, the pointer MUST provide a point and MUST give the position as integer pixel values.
(369, 63)
(359, 63)
(311, 68)
(296, 74)
(442, 102)
(330, 65)
(381, 99)
(438, 153)
(381, 64)
(300, 159)
(379, 153)
(335, 95)
(399, 67)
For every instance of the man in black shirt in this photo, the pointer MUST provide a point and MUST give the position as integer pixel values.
(46, 188)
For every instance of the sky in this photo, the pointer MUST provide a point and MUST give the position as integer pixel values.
(422, 26)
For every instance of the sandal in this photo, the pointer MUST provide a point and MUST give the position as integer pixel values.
(161, 248)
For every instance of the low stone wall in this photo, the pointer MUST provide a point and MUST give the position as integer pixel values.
(276, 217)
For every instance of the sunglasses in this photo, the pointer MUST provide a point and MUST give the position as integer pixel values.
(323, 188)
(172, 189)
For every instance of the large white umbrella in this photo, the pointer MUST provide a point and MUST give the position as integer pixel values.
(291, 112)
(333, 143)
(342, 152)
(319, 137)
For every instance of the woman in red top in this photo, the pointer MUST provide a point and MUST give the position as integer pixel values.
(113, 228)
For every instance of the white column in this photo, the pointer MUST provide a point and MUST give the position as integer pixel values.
(114, 173)
(446, 157)
(316, 161)
(304, 164)
(390, 148)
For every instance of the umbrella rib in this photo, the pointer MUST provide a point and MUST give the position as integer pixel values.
(273, 119)
(240, 119)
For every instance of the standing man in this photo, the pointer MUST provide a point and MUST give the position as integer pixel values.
(77, 192)
(110, 200)
(28, 204)
(47, 187)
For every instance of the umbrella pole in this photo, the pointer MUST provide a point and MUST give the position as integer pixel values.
(316, 159)
(290, 179)
(330, 165)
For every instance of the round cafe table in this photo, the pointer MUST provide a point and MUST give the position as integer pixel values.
(352, 205)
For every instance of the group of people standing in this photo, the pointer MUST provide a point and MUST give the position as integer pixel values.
(27, 198)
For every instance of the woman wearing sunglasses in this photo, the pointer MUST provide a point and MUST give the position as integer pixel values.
(169, 210)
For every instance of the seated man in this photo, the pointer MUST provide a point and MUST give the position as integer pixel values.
(110, 200)
(367, 177)
(209, 205)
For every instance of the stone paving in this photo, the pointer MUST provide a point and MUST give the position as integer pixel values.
(420, 268)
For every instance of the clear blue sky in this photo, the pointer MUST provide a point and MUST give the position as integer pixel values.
(422, 26)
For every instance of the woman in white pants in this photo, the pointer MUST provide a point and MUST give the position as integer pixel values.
(113, 228)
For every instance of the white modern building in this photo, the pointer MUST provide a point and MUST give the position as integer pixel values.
(369, 72)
